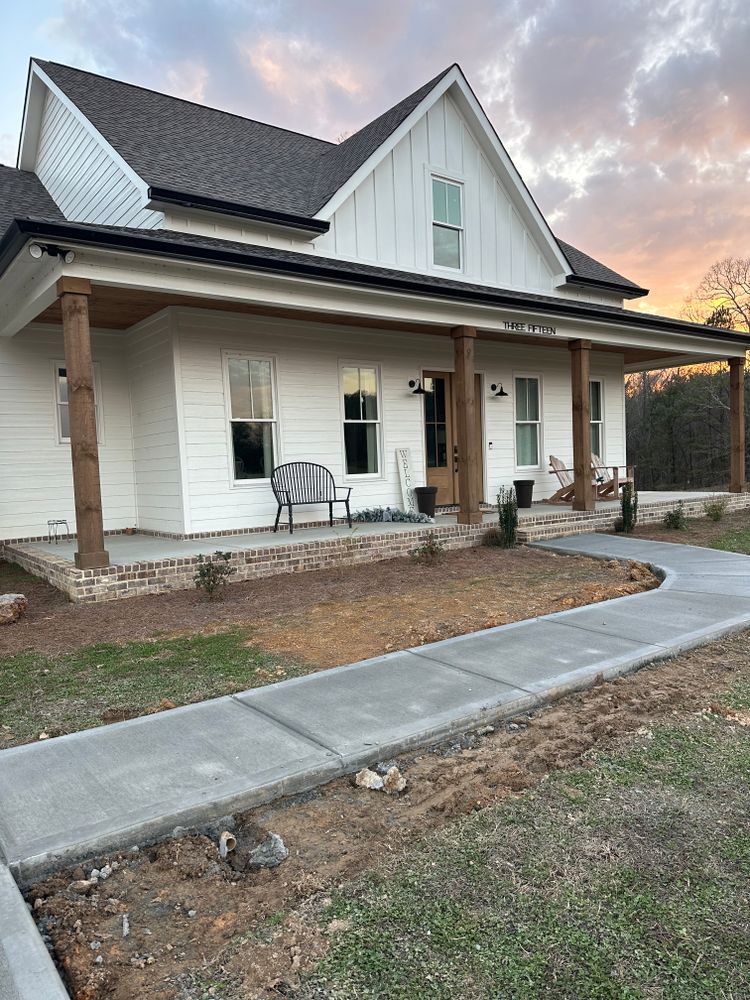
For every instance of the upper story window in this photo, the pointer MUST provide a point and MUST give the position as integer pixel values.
(447, 224)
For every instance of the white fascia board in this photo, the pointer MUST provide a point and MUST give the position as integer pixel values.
(222, 285)
(139, 182)
(493, 146)
(682, 361)
(32, 121)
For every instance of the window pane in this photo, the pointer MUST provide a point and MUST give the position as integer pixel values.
(446, 247)
(521, 399)
(527, 444)
(352, 401)
(454, 204)
(429, 399)
(361, 445)
(260, 378)
(442, 446)
(439, 201)
(596, 440)
(62, 385)
(253, 450)
(595, 396)
(368, 383)
(63, 420)
(532, 389)
(239, 389)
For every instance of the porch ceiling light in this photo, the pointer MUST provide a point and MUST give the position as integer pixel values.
(415, 384)
(497, 389)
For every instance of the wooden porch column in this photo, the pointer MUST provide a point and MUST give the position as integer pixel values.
(580, 351)
(74, 305)
(737, 424)
(469, 458)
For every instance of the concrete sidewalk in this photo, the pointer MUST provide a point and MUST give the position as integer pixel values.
(134, 781)
(120, 784)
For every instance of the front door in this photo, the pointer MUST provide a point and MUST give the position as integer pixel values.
(441, 444)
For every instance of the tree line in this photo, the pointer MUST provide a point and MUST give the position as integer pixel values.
(678, 419)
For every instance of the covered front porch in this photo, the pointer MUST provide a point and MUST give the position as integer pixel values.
(147, 564)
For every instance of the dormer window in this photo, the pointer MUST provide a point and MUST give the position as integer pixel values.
(447, 224)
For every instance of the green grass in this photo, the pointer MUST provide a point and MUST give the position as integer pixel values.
(63, 693)
(633, 888)
(734, 540)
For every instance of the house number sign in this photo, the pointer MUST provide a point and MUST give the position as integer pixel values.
(544, 331)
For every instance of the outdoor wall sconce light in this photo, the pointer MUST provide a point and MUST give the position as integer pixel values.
(415, 384)
(497, 389)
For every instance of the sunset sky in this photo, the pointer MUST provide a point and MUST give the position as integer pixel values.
(629, 120)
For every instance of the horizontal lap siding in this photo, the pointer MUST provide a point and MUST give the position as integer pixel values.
(37, 473)
(156, 449)
(307, 361)
(79, 172)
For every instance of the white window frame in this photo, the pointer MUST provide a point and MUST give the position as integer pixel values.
(461, 230)
(600, 422)
(226, 356)
(354, 476)
(56, 402)
(539, 423)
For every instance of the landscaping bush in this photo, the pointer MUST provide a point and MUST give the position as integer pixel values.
(629, 508)
(430, 550)
(507, 519)
(715, 509)
(392, 514)
(213, 573)
(676, 518)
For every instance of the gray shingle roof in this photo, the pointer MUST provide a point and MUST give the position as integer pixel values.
(205, 153)
(584, 266)
(22, 195)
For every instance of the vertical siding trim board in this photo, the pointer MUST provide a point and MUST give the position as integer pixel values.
(180, 414)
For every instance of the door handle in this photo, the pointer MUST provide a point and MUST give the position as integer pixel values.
(455, 458)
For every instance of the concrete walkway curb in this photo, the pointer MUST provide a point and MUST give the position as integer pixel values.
(26, 970)
(111, 787)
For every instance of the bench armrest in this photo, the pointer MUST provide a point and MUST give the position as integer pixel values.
(346, 490)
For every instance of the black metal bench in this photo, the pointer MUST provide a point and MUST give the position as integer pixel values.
(299, 483)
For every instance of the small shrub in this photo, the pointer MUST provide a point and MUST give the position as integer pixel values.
(715, 509)
(507, 518)
(430, 550)
(393, 514)
(619, 525)
(213, 573)
(629, 507)
(676, 518)
(494, 537)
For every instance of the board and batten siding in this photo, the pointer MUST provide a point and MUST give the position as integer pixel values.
(156, 438)
(388, 218)
(81, 175)
(36, 466)
(307, 359)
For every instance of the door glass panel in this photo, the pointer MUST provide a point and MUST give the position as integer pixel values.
(436, 434)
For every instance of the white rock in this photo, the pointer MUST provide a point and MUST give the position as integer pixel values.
(394, 781)
(12, 607)
(369, 779)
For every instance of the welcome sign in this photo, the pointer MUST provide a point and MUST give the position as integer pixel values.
(406, 475)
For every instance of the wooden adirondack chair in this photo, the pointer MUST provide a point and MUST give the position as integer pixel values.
(567, 490)
(608, 479)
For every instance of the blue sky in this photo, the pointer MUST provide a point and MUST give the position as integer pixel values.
(629, 120)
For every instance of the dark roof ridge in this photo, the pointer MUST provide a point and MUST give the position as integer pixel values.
(183, 100)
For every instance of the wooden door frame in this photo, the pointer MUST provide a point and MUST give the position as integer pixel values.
(480, 377)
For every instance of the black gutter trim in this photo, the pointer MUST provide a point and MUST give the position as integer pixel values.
(301, 222)
(21, 230)
(627, 291)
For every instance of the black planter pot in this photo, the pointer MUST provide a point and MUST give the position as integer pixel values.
(524, 491)
(425, 496)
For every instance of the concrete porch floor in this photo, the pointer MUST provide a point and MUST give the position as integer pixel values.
(139, 548)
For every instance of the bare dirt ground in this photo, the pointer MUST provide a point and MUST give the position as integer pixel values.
(337, 615)
(196, 923)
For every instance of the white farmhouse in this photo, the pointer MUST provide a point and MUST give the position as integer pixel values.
(239, 296)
